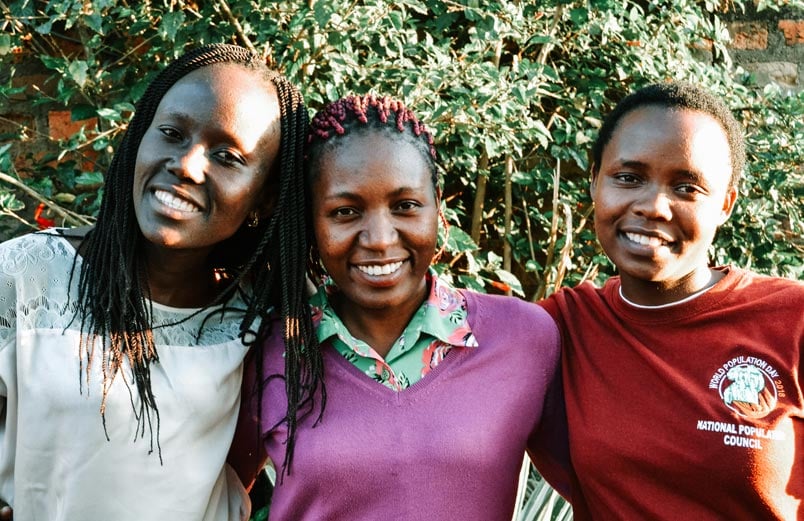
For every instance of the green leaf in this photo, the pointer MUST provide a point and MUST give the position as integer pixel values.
(94, 21)
(395, 17)
(322, 12)
(579, 16)
(5, 44)
(89, 179)
(82, 111)
(9, 202)
(472, 283)
(511, 280)
(460, 241)
(110, 114)
(45, 28)
(78, 72)
(170, 24)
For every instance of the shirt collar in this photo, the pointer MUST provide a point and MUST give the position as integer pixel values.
(441, 316)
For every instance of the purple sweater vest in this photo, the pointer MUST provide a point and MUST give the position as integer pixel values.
(447, 448)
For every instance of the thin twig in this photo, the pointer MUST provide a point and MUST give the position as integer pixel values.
(238, 28)
(542, 290)
(69, 217)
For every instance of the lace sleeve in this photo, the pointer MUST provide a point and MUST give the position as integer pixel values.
(8, 323)
(8, 296)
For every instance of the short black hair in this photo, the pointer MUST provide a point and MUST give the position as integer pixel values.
(677, 95)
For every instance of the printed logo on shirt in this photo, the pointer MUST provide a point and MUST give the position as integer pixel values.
(751, 387)
(748, 385)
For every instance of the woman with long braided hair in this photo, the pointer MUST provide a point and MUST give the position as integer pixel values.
(433, 394)
(122, 346)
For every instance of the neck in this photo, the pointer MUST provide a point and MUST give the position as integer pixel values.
(657, 293)
(180, 279)
(379, 328)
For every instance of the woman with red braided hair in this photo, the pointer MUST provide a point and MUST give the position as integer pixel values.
(433, 394)
(122, 346)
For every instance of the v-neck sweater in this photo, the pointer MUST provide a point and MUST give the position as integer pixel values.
(448, 447)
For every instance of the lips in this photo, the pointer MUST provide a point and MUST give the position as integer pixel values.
(376, 270)
(176, 203)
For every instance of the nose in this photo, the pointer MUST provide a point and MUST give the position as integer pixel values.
(379, 232)
(654, 203)
(191, 163)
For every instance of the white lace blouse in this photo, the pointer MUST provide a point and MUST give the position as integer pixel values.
(55, 460)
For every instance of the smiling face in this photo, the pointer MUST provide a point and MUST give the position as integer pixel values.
(375, 217)
(203, 162)
(660, 193)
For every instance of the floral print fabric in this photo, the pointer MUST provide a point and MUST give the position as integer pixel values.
(437, 327)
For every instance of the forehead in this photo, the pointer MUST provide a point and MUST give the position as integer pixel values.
(372, 159)
(238, 100)
(669, 135)
(679, 125)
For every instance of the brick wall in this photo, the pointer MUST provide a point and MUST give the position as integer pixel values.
(769, 45)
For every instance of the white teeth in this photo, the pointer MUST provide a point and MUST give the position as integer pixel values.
(380, 269)
(645, 240)
(174, 202)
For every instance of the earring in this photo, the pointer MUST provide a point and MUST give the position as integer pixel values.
(253, 220)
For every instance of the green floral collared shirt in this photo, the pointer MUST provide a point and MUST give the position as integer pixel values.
(437, 327)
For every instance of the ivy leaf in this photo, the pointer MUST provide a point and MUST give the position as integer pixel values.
(510, 280)
(5, 44)
(45, 28)
(9, 202)
(89, 179)
(171, 23)
(82, 111)
(460, 241)
(95, 22)
(78, 72)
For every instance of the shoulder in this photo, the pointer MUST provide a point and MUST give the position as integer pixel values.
(33, 251)
(482, 306)
(750, 287)
(512, 316)
(586, 295)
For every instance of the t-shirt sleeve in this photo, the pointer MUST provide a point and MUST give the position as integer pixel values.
(548, 445)
(551, 305)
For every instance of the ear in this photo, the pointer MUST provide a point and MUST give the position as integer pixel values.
(728, 204)
(593, 182)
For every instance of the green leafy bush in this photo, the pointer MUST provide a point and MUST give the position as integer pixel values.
(514, 91)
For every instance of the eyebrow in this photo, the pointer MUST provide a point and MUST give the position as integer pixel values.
(631, 163)
(173, 114)
(690, 175)
(396, 193)
(218, 132)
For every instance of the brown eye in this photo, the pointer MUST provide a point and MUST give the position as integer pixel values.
(689, 189)
(408, 205)
(229, 158)
(626, 178)
(344, 211)
(170, 132)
